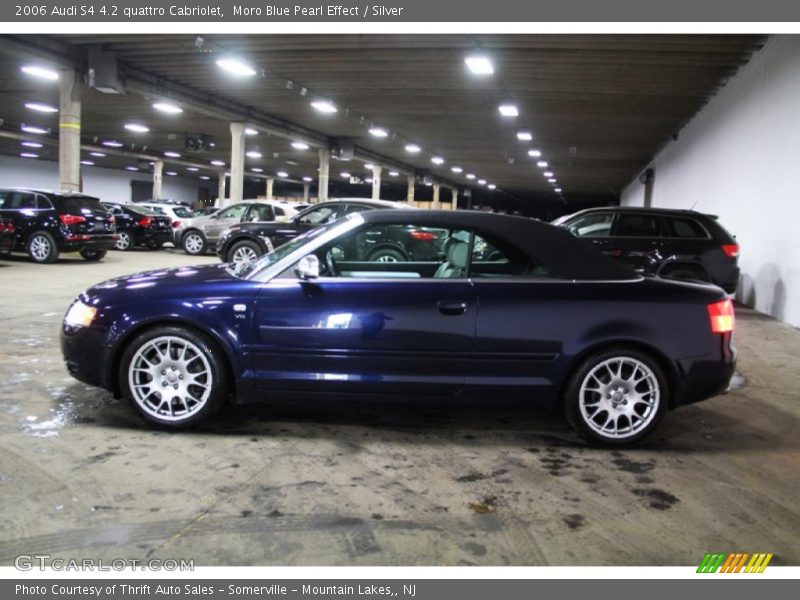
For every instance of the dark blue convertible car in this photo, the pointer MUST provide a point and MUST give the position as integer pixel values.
(510, 305)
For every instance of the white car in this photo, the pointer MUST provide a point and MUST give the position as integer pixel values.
(284, 211)
(180, 216)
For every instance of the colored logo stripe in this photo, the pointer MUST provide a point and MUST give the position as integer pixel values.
(734, 562)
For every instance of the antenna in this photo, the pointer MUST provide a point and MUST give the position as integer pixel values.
(695, 204)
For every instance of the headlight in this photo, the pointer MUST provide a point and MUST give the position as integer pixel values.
(80, 315)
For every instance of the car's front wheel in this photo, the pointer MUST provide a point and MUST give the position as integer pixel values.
(173, 376)
(617, 396)
(42, 247)
(244, 253)
(194, 243)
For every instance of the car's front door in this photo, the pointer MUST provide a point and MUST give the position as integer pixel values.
(636, 240)
(374, 327)
(225, 218)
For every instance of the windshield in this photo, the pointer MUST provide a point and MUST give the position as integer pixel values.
(254, 269)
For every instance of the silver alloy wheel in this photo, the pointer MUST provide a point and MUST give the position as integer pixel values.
(387, 258)
(619, 397)
(170, 378)
(123, 240)
(39, 247)
(193, 243)
(243, 255)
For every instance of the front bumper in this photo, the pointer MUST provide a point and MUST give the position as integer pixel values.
(86, 355)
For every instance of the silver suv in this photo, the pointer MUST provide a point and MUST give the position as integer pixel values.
(203, 232)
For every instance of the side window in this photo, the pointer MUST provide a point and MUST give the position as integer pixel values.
(233, 212)
(592, 225)
(637, 225)
(685, 228)
(278, 211)
(261, 212)
(5, 200)
(496, 258)
(43, 202)
(20, 201)
(321, 215)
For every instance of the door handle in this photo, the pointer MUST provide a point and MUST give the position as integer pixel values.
(452, 307)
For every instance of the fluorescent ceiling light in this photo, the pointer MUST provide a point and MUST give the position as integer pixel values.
(534, 153)
(368, 165)
(345, 174)
(172, 154)
(218, 163)
(324, 106)
(481, 182)
(378, 132)
(34, 129)
(307, 178)
(40, 72)
(113, 144)
(97, 154)
(137, 127)
(524, 136)
(192, 169)
(40, 107)
(282, 174)
(557, 190)
(168, 108)
(456, 169)
(234, 66)
(32, 144)
(88, 163)
(470, 175)
(171, 173)
(29, 155)
(254, 154)
(542, 164)
(393, 173)
(548, 173)
(437, 160)
(205, 177)
(257, 170)
(368, 180)
(131, 168)
(551, 180)
(479, 65)
(412, 148)
(250, 131)
(300, 146)
(508, 110)
(491, 186)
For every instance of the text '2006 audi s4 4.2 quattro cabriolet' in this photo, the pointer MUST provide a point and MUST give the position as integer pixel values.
(506, 303)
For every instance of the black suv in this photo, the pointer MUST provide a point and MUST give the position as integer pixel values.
(245, 242)
(680, 244)
(48, 223)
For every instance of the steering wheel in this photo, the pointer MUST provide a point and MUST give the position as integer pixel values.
(330, 263)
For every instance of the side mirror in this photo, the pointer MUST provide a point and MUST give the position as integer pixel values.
(307, 268)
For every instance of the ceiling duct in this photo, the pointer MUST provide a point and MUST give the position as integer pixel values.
(103, 72)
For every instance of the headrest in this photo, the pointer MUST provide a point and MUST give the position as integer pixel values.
(457, 253)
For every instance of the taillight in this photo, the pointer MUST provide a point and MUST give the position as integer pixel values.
(145, 221)
(721, 316)
(176, 224)
(423, 236)
(10, 227)
(732, 250)
(71, 219)
(3, 227)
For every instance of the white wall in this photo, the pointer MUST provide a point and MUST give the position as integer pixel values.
(739, 158)
(106, 184)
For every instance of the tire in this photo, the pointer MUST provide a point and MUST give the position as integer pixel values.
(124, 241)
(686, 273)
(93, 255)
(386, 255)
(163, 359)
(244, 252)
(194, 243)
(595, 395)
(154, 245)
(42, 248)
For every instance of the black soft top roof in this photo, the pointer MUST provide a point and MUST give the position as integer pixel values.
(559, 251)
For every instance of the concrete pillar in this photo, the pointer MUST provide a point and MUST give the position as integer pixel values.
(436, 187)
(324, 173)
(410, 191)
(306, 192)
(270, 183)
(376, 182)
(69, 131)
(454, 202)
(221, 188)
(158, 179)
(237, 162)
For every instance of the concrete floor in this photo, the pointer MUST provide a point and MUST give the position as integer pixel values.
(80, 476)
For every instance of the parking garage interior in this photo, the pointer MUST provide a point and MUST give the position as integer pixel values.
(546, 126)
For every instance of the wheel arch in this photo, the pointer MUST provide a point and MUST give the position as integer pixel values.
(669, 367)
(681, 263)
(124, 341)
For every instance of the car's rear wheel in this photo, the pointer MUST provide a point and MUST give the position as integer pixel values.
(386, 255)
(173, 377)
(42, 247)
(617, 396)
(93, 255)
(124, 241)
(194, 243)
(244, 253)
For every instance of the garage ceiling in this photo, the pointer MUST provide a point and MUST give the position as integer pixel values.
(599, 106)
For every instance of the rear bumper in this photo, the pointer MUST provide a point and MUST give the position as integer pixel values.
(708, 376)
(145, 237)
(95, 242)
